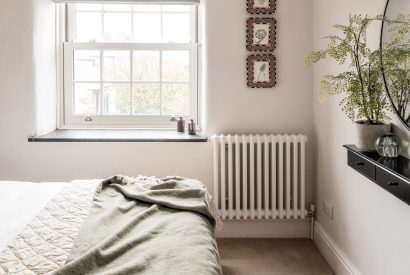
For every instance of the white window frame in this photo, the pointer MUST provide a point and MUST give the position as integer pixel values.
(65, 50)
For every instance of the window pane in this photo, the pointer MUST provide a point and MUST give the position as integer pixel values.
(147, 28)
(146, 66)
(179, 8)
(117, 27)
(88, 26)
(86, 98)
(117, 7)
(146, 99)
(88, 7)
(117, 66)
(147, 7)
(86, 65)
(175, 98)
(176, 28)
(116, 99)
(121, 80)
(175, 66)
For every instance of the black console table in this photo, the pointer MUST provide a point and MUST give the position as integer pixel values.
(392, 175)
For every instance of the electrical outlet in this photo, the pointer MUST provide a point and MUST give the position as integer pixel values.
(328, 209)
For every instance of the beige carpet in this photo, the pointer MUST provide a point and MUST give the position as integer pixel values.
(271, 256)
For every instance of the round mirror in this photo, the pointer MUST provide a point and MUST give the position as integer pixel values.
(395, 56)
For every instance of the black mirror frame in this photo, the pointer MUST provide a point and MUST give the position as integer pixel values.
(382, 67)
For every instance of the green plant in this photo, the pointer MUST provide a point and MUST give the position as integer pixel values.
(361, 84)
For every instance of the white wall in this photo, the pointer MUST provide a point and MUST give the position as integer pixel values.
(370, 226)
(44, 55)
(232, 107)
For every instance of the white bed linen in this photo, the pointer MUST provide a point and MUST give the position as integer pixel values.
(20, 202)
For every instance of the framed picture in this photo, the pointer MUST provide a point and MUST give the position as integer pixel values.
(261, 71)
(261, 6)
(261, 34)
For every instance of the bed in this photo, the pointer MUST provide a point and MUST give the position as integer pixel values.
(120, 225)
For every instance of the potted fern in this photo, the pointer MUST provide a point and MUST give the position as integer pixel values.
(364, 100)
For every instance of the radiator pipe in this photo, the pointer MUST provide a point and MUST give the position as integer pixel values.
(311, 214)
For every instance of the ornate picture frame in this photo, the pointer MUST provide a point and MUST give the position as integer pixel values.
(261, 6)
(261, 34)
(261, 71)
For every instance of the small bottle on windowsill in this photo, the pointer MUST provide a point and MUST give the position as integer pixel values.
(181, 125)
(191, 128)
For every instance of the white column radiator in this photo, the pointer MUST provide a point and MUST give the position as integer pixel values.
(260, 176)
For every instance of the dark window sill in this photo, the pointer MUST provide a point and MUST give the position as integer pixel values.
(119, 135)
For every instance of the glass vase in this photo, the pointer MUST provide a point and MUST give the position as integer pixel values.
(389, 145)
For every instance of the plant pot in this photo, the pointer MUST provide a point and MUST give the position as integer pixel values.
(367, 134)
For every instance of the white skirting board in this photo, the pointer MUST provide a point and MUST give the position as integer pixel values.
(336, 258)
(264, 229)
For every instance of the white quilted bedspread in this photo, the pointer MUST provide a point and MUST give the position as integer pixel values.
(44, 244)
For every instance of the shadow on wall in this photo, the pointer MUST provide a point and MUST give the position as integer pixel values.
(399, 129)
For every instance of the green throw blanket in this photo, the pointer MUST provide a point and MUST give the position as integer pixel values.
(146, 227)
